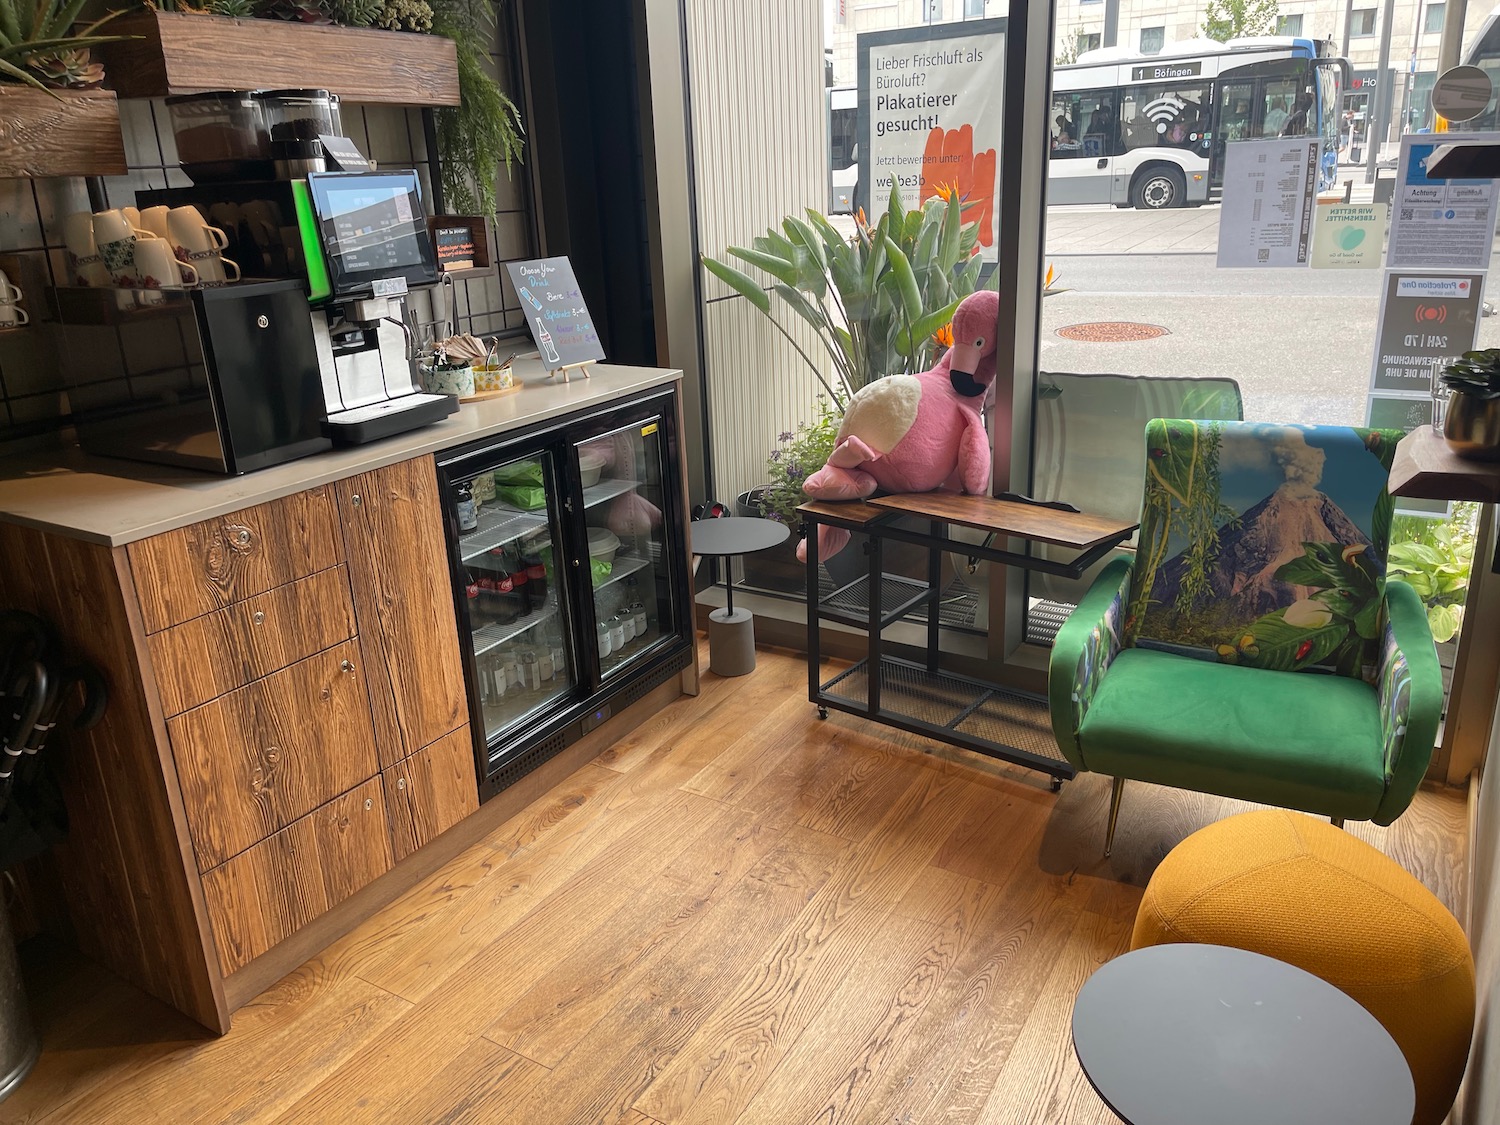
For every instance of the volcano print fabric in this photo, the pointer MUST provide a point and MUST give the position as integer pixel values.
(1263, 545)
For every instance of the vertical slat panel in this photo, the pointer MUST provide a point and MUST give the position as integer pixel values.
(760, 141)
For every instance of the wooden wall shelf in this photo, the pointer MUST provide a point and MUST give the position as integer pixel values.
(179, 53)
(1425, 467)
(76, 133)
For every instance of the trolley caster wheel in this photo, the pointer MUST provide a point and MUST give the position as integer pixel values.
(1057, 784)
(822, 712)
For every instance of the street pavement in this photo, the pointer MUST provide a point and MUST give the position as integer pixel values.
(1300, 342)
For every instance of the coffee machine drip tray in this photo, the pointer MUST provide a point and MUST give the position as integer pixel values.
(387, 417)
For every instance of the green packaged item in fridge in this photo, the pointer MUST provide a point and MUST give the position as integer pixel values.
(600, 569)
(520, 472)
(527, 497)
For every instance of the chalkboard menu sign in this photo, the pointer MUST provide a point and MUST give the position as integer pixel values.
(555, 312)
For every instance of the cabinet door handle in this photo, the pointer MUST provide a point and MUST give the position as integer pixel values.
(369, 803)
(346, 665)
(355, 500)
(259, 617)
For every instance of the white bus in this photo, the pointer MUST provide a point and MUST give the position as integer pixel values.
(1150, 130)
(843, 148)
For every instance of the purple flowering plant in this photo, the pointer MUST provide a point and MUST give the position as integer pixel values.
(798, 454)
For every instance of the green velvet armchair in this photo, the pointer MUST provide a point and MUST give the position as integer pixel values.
(1253, 647)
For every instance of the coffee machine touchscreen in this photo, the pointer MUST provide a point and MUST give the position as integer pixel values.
(373, 228)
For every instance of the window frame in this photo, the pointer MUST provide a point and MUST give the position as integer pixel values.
(1356, 17)
(1283, 23)
(1441, 9)
(1160, 29)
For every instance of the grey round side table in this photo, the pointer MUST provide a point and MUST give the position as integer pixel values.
(731, 632)
(1207, 1035)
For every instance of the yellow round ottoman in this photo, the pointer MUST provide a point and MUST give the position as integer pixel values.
(1300, 890)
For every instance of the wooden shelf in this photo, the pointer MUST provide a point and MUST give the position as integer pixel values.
(75, 133)
(1426, 468)
(179, 53)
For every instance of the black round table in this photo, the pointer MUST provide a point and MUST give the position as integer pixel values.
(1207, 1035)
(731, 632)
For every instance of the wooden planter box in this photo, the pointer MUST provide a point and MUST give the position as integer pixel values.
(178, 53)
(76, 133)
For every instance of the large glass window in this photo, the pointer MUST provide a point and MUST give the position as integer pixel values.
(1157, 115)
(1432, 24)
(1152, 40)
(1362, 23)
(1289, 25)
(1088, 41)
(1085, 123)
(973, 9)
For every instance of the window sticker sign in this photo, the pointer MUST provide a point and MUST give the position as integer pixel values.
(1349, 236)
(930, 118)
(1423, 318)
(1266, 216)
(1440, 224)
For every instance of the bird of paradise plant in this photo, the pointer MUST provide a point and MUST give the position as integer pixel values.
(875, 300)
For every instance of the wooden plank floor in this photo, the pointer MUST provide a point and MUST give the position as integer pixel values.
(740, 914)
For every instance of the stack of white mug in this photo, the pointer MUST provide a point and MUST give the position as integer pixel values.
(158, 248)
(12, 315)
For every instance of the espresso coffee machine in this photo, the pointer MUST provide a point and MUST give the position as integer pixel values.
(358, 243)
(372, 232)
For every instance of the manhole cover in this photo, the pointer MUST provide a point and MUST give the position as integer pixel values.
(1111, 332)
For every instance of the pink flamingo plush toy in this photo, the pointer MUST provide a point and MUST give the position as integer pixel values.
(916, 433)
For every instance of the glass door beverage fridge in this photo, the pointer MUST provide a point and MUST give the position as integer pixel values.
(567, 545)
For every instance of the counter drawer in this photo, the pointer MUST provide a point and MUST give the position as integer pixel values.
(431, 791)
(203, 659)
(266, 894)
(255, 760)
(195, 570)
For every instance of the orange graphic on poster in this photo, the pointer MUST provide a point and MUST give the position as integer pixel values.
(949, 162)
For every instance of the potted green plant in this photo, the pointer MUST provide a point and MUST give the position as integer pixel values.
(1471, 424)
(484, 131)
(39, 46)
(1435, 557)
(876, 299)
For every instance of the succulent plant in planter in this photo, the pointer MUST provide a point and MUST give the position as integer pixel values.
(38, 44)
(1474, 373)
(1471, 425)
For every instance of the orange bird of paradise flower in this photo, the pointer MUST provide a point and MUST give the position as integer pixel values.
(949, 163)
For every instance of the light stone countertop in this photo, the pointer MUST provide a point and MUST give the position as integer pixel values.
(114, 502)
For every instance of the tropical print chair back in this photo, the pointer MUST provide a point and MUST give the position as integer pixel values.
(1263, 545)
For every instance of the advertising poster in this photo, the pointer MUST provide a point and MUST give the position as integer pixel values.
(1424, 317)
(930, 118)
(1349, 236)
(1270, 188)
(1440, 224)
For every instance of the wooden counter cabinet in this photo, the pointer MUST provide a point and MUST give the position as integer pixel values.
(288, 722)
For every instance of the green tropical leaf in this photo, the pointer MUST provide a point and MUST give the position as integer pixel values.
(1444, 621)
(893, 208)
(800, 231)
(905, 281)
(803, 307)
(1271, 643)
(948, 245)
(923, 328)
(741, 283)
(780, 268)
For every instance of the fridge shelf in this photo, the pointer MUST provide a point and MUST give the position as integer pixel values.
(623, 568)
(608, 490)
(491, 636)
(498, 524)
